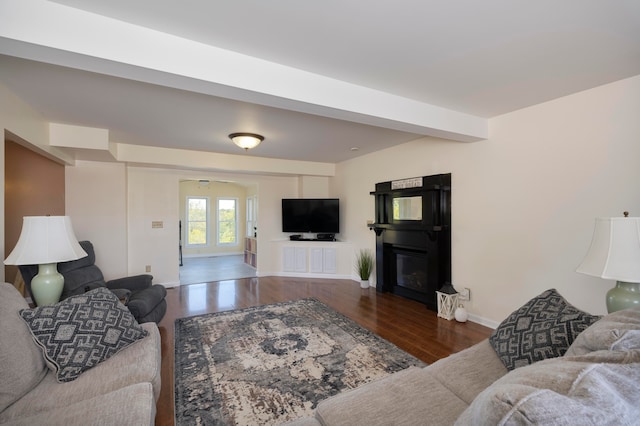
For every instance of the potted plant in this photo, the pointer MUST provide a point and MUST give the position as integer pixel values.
(364, 266)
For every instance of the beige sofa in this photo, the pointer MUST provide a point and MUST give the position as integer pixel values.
(121, 390)
(596, 382)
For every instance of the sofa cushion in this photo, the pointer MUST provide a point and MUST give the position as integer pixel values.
(542, 328)
(409, 397)
(130, 405)
(22, 366)
(470, 371)
(82, 331)
(560, 392)
(618, 331)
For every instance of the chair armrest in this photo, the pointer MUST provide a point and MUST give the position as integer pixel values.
(134, 283)
(122, 294)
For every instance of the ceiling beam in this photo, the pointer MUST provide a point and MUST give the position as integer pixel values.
(53, 33)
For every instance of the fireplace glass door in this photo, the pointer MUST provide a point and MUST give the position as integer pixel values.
(411, 270)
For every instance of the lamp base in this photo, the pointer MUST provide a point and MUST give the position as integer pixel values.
(624, 295)
(46, 287)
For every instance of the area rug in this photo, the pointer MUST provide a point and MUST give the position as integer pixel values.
(270, 364)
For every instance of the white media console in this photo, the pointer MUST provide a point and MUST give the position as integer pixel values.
(315, 259)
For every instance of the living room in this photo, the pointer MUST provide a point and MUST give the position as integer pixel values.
(524, 198)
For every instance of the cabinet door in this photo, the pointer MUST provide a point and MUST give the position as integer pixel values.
(316, 262)
(288, 259)
(329, 264)
(301, 259)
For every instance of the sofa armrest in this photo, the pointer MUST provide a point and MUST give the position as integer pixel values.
(129, 405)
(134, 283)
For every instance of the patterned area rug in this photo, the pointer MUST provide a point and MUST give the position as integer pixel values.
(271, 364)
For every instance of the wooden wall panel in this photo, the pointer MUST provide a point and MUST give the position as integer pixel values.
(34, 186)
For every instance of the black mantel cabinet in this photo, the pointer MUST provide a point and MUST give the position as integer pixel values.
(413, 236)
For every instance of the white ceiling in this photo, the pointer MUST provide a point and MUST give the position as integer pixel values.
(386, 72)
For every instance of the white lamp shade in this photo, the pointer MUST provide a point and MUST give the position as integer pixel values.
(615, 250)
(45, 239)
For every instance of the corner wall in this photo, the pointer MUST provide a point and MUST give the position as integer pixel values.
(21, 120)
(34, 186)
(524, 201)
(97, 204)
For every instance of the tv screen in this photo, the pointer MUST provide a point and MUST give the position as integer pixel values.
(317, 215)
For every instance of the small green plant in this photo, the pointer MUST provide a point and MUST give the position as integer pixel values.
(364, 263)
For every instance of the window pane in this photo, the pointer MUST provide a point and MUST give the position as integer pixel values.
(227, 221)
(197, 220)
(197, 209)
(197, 233)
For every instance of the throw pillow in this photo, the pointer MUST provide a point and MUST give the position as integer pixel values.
(82, 331)
(542, 328)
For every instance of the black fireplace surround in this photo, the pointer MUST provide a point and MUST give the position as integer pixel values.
(413, 237)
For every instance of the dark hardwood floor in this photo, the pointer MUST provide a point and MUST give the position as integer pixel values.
(406, 323)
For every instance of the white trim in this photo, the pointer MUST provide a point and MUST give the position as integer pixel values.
(234, 253)
(170, 284)
(304, 275)
(483, 321)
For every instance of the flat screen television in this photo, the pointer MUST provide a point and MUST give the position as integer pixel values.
(313, 215)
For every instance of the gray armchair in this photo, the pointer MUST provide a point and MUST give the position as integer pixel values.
(145, 301)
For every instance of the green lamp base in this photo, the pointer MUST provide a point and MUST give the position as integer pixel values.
(47, 286)
(624, 295)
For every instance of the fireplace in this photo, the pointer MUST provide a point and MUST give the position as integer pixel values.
(411, 269)
(413, 237)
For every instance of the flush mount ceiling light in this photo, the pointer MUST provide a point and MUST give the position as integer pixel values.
(246, 140)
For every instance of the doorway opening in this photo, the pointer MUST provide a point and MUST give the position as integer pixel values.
(218, 230)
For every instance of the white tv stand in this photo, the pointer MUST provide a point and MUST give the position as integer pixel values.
(315, 258)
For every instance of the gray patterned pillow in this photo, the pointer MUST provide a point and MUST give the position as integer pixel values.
(82, 331)
(542, 328)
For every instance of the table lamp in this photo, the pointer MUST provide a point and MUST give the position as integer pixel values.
(45, 241)
(615, 255)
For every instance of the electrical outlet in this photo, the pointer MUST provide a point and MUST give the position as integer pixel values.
(464, 295)
(147, 268)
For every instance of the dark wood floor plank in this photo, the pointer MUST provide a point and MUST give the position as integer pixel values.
(406, 323)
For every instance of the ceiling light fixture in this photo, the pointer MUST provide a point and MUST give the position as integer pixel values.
(246, 140)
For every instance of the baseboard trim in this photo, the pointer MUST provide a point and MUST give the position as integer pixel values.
(305, 275)
(483, 321)
(191, 256)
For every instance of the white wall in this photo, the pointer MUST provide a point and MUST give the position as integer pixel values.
(96, 201)
(271, 191)
(524, 201)
(153, 197)
(314, 187)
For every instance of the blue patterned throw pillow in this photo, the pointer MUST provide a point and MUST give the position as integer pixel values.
(82, 331)
(542, 328)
